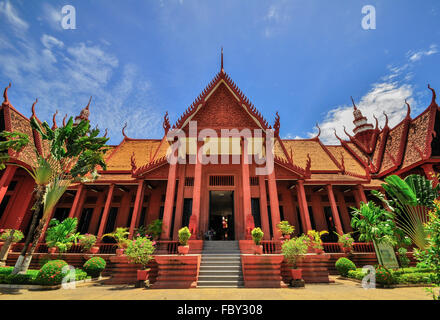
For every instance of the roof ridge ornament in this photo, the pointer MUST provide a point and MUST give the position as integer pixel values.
(319, 131)
(5, 95)
(54, 120)
(64, 120)
(354, 104)
(166, 123)
(123, 131)
(434, 96)
(276, 125)
(33, 109)
(221, 65)
(409, 109)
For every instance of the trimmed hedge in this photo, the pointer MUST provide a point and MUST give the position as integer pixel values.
(344, 265)
(400, 276)
(51, 273)
(384, 276)
(94, 266)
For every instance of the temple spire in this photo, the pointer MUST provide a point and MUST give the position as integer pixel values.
(221, 67)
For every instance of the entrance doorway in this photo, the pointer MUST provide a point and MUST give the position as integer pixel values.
(221, 215)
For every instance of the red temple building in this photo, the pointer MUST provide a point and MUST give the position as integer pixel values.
(313, 185)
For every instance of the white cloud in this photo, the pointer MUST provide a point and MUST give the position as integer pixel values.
(52, 16)
(276, 18)
(416, 56)
(49, 42)
(12, 16)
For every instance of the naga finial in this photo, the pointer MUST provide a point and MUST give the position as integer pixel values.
(64, 120)
(5, 94)
(123, 130)
(409, 109)
(434, 96)
(54, 120)
(166, 123)
(319, 131)
(33, 108)
(277, 125)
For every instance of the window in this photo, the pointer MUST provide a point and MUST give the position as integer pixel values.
(84, 222)
(3, 205)
(221, 180)
(255, 204)
(61, 214)
(111, 220)
(187, 211)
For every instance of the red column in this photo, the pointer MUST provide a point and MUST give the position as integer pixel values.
(179, 202)
(108, 203)
(334, 207)
(197, 189)
(154, 205)
(303, 207)
(169, 202)
(247, 205)
(6, 180)
(263, 208)
(361, 192)
(274, 205)
(16, 213)
(77, 202)
(430, 173)
(124, 210)
(318, 213)
(93, 227)
(344, 212)
(137, 206)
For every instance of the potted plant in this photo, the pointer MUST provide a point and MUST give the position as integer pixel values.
(61, 235)
(315, 240)
(286, 229)
(293, 250)
(120, 235)
(257, 236)
(7, 239)
(184, 235)
(346, 242)
(140, 251)
(87, 242)
(155, 229)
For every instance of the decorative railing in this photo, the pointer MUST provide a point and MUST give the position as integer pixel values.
(332, 248)
(167, 246)
(363, 247)
(271, 246)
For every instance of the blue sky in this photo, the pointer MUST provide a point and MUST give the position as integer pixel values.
(139, 59)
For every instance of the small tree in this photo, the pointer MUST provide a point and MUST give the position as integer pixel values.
(140, 251)
(285, 228)
(294, 249)
(9, 237)
(184, 235)
(257, 235)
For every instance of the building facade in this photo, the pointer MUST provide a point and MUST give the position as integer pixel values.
(312, 185)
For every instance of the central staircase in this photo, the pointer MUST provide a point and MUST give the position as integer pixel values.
(221, 265)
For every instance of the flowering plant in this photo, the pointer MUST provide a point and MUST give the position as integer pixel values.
(140, 251)
(285, 228)
(315, 238)
(294, 249)
(87, 241)
(17, 237)
(346, 240)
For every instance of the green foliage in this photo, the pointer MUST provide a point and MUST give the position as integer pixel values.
(358, 274)
(346, 240)
(140, 251)
(62, 235)
(400, 276)
(94, 266)
(87, 241)
(121, 237)
(285, 228)
(344, 265)
(6, 270)
(184, 235)
(51, 273)
(403, 257)
(384, 276)
(141, 232)
(411, 200)
(315, 238)
(257, 235)
(155, 228)
(12, 141)
(17, 237)
(415, 278)
(294, 249)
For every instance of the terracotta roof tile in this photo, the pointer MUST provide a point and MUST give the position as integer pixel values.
(21, 124)
(300, 148)
(350, 163)
(393, 147)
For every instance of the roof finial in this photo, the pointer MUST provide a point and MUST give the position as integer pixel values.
(221, 69)
(88, 105)
(166, 123)
(33, 109)
(123, 130)
(5, 94)
(354, 105)
(54, 120)
(434, 96)
(64, 120)
(409, 109)
(319, 131)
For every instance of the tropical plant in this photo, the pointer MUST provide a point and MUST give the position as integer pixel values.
(346, 240)
(87, 241)
(374, 224)
(74, 151)
(62, 235)
(94, 266)
(121, 237)
(141, 232)
(315, 238)
(430, 257)
(294, 249)
(155, 229)
(184, 235)
(257, 235)
(411, 199)
(344, 265)
(140, 251)
(285, 228)
(402, 254)
(17, 235)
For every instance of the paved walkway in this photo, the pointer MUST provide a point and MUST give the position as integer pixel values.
(340, 290)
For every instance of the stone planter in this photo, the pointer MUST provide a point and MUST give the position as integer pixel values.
(177, 272)
(183, 249)
(296, 274)
(94, 250)
(262, 271)
(142, 275)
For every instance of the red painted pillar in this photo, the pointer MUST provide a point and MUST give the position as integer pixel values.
(154, 205)
(430, 173)
(169, 202)
(197, 189)
(263, 208)
(124, 210)
(179, 202)
(274, 205)
(303, 207)
(137, 206)
(247, 205)
(93, 227)
(361, 192)
(335, 212)
(344, 211)
(16, 213)
(318, 213)
(77, 202)
(6, 180)
(107, 205)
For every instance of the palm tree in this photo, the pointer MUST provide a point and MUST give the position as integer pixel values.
(75, 153)
(411, 199)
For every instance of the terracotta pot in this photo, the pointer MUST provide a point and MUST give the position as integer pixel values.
(346, 250)
(52, 250)
(318, 251)
(286, 237)
(120, 252)
(258, 249)
(94, 250)
(142, 275)
(296, 274)
(183, 249)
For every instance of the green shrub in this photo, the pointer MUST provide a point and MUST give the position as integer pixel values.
(344, 265)
(140, 251)
(19, 279)
(184, 235)
(414, 278)
(358, 274)
(94, 266)
(17, 237)
(6, 270)
(403, 257)
(285, 228)
(80, 275)
(384, 276)
(51, 273)
(3, 278)
(257, 235)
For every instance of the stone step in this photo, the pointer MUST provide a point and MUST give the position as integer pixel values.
(220, 267)
(210, 273)
(220, 284)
